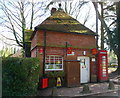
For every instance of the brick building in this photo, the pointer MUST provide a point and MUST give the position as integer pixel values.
(64, 44)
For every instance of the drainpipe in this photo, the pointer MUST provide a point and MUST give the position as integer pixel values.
(66, 47)
(44, 53)
(97, 25)
(96, 9)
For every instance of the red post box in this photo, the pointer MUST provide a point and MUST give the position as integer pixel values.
(44, 82)
(102, 66)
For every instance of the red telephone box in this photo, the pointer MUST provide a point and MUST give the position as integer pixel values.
(102, 66)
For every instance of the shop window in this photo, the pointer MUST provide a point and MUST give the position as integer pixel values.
(53, 63)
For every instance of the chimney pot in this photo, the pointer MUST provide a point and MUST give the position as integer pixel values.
(53, 10)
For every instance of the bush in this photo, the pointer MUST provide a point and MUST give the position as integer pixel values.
(52, 76)
(20, 76)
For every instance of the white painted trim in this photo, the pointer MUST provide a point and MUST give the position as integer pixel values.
(78, 58)
(54, 62)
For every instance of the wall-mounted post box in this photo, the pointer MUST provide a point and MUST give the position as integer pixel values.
(44, 82)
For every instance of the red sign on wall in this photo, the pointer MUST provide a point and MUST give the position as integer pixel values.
(41, 50)
(69, 50)
(94, 51)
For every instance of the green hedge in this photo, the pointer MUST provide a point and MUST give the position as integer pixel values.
(20, 76)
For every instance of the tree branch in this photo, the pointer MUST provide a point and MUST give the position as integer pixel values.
(113, 23)
(110, 16)
(106, 28)
(8, 44)
(7, 37)
(109, 7)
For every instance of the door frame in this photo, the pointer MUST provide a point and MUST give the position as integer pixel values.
(78, 58)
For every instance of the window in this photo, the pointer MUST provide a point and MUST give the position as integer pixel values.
(53, 63)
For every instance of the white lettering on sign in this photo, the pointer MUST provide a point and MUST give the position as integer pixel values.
(73, 53)
(93, 59)
(102, 52)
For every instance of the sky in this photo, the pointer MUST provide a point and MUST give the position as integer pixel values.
(90, 23)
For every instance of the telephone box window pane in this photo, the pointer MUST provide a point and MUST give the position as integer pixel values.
(104, 69)
(104, 72)
(104, 75)
(103, 57)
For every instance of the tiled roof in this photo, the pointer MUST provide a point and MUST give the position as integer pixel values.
(62, 22)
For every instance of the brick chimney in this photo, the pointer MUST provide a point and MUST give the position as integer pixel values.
(53, 10)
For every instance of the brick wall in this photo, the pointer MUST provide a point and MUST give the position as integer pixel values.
(93, 70)
(34, 41)
(60, 39)
(56, 45)
(56, 42)
(33, 53)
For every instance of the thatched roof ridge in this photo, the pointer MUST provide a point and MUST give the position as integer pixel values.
(62, 22)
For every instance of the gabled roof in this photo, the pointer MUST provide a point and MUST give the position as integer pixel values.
(62, 22)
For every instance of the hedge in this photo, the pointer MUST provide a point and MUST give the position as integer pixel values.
(20, 76)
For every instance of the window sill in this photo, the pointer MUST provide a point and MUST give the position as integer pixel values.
(53, 69)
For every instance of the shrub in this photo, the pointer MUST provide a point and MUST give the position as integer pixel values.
(52, 76)
(20, 76)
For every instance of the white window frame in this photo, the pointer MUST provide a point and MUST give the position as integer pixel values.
(54, 62)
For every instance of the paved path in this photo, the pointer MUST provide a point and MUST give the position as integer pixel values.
(96, 88)
(116, 80)
(112, 94)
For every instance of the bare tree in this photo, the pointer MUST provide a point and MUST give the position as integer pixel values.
(118, 34)
(112, 29)
(19, 15)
